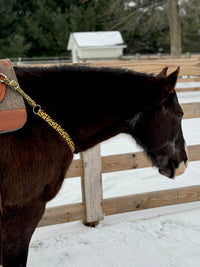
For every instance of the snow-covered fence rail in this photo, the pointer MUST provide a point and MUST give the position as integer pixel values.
(91, 166)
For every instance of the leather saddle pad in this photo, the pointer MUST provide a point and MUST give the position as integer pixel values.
(13, 114)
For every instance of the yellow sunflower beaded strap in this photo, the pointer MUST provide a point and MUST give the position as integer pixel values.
(38, 111)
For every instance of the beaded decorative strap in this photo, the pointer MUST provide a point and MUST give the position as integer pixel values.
(39, 111)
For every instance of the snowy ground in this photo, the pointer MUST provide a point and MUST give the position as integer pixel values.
(138, 239)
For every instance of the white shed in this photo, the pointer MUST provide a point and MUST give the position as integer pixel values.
(96, 46)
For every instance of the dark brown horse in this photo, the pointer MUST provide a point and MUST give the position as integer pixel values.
(91, 104)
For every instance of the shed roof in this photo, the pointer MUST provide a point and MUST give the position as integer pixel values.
(96, 39)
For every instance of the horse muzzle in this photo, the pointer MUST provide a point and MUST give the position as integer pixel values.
(181, 168)
(173, 170)
(183, 165)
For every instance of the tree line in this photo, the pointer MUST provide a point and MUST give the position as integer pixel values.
(42, 27)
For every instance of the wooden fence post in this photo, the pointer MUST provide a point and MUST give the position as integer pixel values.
(92, 193)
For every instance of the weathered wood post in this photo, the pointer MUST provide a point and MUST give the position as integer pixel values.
(92, 193)
(137, 56)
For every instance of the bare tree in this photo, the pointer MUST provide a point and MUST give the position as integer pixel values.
(175, 28)
(148, 25)
(138, 20)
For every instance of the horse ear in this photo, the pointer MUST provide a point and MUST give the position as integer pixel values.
(163, 73)
(170, 82)
(172, 78)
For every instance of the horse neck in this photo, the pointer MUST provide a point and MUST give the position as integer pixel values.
(91, 132)
(91, 106)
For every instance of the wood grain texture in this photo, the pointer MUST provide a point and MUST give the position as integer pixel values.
(189, 67)
(151, 200)
(123, 204)
(92, 184)
(63, 214)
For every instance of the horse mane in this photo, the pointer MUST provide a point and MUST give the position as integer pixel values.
(41, 70)
(69, 73)
(75, 84)
(71, 84)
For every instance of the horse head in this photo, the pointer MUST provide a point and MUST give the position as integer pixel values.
(158, 129)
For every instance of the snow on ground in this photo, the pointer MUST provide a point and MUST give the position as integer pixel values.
(170, 240)
(137, 239)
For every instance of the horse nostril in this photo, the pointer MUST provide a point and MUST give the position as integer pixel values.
(175, 164)
(186, 162)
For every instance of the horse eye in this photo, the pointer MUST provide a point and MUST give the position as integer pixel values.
(180, 116)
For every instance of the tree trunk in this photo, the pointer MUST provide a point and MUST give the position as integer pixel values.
(175, 28)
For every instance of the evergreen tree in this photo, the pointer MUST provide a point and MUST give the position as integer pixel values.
(145, 24)
(12, 41)
(42, 28)
(190, 20)
(49, 27)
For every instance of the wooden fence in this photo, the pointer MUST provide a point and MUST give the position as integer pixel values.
(91, 165)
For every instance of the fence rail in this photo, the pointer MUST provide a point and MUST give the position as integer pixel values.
(126, 161)
(117, 205)
(40, 60)
(129, 161)
(91, 165)
(67, 59)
